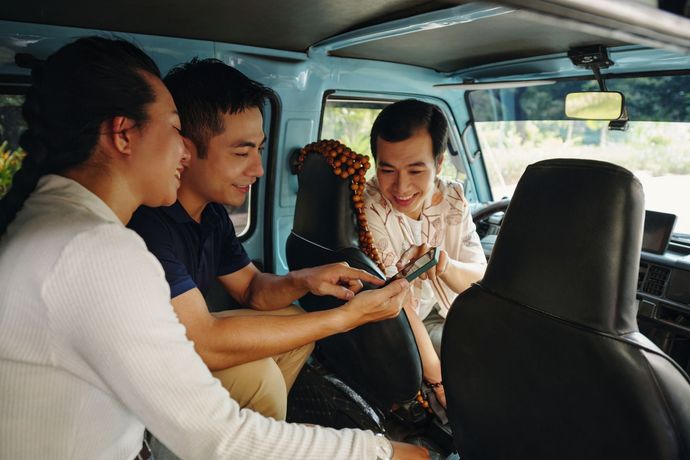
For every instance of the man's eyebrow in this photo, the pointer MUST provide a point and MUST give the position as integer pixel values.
(411, 165)
(250, 143)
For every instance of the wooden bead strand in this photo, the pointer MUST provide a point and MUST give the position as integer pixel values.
(348, 165)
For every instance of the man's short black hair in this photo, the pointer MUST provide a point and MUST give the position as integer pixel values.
(206, 89)
(403, 119)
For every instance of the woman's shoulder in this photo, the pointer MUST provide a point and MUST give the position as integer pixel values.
(106, 247)
(113, 234)
(103, 242)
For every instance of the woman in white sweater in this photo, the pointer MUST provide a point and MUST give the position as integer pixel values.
(90, 349)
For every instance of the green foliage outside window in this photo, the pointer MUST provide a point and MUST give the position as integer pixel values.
(351, 126)
(10, 162)
(11, 126)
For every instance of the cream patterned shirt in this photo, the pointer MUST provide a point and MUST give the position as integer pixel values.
(445, 222)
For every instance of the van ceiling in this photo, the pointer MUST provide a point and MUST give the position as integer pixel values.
(513, 35)
(491, 33)
(292, 25)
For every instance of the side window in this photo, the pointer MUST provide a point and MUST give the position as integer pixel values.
(240, 216)
(11, 126)
(350, 121)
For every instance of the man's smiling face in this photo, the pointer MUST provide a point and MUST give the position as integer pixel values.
(232, 162)
(406, 171)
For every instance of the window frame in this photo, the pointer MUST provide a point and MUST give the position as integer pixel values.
(455, 149)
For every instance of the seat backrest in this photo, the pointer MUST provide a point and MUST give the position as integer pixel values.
(542, 359)
(379, 360)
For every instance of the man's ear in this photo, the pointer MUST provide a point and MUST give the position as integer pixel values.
(119, 134)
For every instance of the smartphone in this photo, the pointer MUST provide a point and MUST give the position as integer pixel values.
(417, 266)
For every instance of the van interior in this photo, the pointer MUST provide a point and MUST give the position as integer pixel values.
(537, 95)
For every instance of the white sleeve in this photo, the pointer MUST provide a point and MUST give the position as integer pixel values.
(115, 312)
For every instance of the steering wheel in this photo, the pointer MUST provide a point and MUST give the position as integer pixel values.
(484, 213)
(492, 208)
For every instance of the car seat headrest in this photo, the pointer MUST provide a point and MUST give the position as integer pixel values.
(330, 212)
(569, 244)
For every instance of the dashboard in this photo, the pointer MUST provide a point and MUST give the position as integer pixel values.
(663, 292)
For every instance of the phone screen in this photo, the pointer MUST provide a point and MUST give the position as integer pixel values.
(417, 266)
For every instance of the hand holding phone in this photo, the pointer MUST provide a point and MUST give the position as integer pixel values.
(418, 266)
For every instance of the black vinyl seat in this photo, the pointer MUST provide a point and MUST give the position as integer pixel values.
(543, 359)
(379, 360)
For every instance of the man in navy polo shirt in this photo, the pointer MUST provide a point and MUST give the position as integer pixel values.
(255, 352)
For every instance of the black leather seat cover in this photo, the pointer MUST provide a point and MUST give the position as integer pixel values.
(380, 360)
(542, 359)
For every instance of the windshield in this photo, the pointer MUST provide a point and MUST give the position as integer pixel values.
(519, 126)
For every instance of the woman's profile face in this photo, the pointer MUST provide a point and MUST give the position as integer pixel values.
(160, 152)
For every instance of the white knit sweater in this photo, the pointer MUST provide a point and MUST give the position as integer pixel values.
(91, 350)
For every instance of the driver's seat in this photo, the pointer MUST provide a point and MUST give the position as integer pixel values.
(543, 359)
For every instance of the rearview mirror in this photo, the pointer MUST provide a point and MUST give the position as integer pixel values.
(594, 105)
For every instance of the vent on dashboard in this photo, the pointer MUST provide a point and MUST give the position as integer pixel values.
(655, 280)
(641, 274)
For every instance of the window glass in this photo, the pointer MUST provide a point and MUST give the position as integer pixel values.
(11, 126)
(350, 121)
(240, 216)
(520, 126)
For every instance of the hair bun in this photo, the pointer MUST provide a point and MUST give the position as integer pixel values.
(28, 61)
(36, 150)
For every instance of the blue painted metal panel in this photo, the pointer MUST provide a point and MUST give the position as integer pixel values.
(300, 81)
(41, 40)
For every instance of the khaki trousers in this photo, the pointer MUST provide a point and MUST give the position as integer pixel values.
(263, 385)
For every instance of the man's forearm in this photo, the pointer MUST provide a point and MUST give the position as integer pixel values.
(239, 339)
(431, 364)
(460, 275)
(271, 292)
(229, 341)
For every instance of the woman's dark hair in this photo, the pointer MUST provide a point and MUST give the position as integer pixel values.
(73, 92)
(206, 89)
(401, 121)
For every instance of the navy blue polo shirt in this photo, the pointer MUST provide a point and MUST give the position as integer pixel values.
(192, 254)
